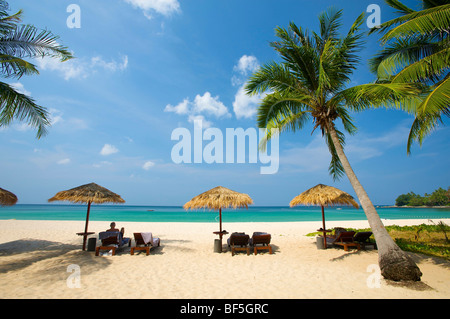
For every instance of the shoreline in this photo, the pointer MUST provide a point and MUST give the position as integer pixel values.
(35, 256)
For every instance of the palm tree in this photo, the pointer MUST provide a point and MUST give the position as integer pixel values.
(417, 49)
(18, 42)
(310, 84)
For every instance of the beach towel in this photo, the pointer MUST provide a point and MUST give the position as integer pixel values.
(106, 234)
(148, 238)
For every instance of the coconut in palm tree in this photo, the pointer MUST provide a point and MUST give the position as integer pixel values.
(311, 84)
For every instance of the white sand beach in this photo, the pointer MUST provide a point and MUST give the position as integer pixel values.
(35, 257)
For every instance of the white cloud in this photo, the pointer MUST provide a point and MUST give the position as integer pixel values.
(202, 104)
(180, 108)
(244, 106)
(81, 68)
(147, 165)
(71, 124)
(21, 127)
(102, 164)
(64, 161)
(210, 105)
(204, 123)
(108, 149)
(55, 116)
(20, 88)
(68, 69)
(247, 64)
(112, 65)
(164, 7)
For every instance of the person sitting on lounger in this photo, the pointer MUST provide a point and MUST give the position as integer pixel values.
(113, 228)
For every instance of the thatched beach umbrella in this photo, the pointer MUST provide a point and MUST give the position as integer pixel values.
(217, 198)
(89, 193)
(7, 198)
(323, 195)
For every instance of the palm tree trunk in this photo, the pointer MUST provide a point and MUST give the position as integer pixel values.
(394, 263)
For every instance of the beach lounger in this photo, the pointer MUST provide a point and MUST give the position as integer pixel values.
(145, 241)
(239, 241)
(111, 241)
(261, 241)
(337, 230)
(345, 239)
(363, 239)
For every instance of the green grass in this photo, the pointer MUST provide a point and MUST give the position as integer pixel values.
(432, 240)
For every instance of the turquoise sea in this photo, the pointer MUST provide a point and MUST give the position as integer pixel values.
(178, 214)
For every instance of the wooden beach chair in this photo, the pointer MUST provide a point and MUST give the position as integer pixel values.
(345, 239)
(337, 230)
(261, 241)
(239, 242)
(363, 239)
(144, 243)
(111, 241)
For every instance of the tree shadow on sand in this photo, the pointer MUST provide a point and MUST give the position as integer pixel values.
(23, 253)
(413, 285)
(170, 244)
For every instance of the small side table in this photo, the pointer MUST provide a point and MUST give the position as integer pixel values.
(85, 237)
(220, 233)
(324, 231)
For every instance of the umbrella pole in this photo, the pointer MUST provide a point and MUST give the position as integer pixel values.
(220, 218)
(220, 227)
(86, 225)
(324, 229)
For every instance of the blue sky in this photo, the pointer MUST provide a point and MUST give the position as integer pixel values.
(144, 68)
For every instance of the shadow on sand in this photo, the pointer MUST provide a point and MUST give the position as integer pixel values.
(23, 253)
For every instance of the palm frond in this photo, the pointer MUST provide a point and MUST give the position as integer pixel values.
(428, 68)
(346, 120)
(373, 95)
(15, 105)
(8, 22)
(325, 57)
(395, 56)
(26, 41)
(348, 47)
(422, 126)
(290, 122)
(277, 106)
(297, 50)
(335, 169)
(421, 22)
(11, 66)
(437, 101)
(401, 8)
(330, 21)
(270, 77)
